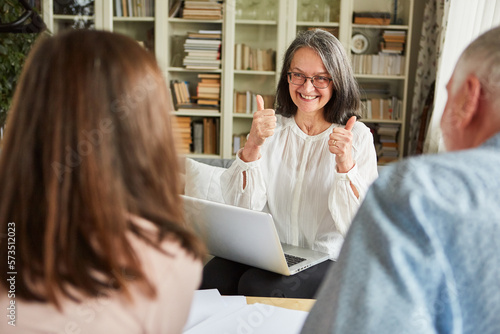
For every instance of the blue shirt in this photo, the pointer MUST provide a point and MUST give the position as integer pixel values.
(423, 252)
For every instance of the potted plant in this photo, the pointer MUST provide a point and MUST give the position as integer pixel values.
(14, 48)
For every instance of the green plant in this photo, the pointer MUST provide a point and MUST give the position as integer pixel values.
(13, 51)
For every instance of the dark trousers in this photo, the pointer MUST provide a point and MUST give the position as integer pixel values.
(232, 278)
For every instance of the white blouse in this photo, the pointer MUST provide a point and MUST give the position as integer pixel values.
(296, 181)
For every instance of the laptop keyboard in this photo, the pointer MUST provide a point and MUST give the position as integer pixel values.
(291, 259)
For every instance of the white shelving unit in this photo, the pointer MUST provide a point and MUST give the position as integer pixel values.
(104, 19)
(397, 84)
(265, 29)
(269, 24)
(174, 70)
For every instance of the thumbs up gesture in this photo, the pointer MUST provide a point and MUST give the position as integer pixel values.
(263, 125)
(340, 144)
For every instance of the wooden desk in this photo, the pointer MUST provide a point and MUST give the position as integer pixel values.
(289, 303)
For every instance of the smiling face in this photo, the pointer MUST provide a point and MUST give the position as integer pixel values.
(307, 98)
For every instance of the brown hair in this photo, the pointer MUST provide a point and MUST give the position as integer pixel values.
(345, 100)
(88, 146)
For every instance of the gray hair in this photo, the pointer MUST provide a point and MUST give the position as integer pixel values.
(345, 100)
(482, 57)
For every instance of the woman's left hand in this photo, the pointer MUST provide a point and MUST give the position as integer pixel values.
(340, 144)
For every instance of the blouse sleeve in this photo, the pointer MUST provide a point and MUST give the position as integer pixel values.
(342, 202)
(254, 195)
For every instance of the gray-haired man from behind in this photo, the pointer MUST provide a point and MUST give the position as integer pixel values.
(423, 252)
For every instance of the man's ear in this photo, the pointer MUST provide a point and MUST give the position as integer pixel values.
(472, 93)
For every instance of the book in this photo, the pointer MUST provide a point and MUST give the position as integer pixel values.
(209, 136)
(197, 137)
(208, 102)
(195, 35)
(209, 76)
(196, 108)
(246, 102)
(372, 20)
(376, 18)
(118, 8)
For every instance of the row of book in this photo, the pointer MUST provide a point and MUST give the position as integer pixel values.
(380, 108)
(197, 135)
(196, 9)
(246, 102)
(203, 50)
(134, 8)
(180, 90)
(378, 64)
(239, 141)
(393, 41)
(248, 58)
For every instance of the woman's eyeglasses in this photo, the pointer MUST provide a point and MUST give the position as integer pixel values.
(318, 81)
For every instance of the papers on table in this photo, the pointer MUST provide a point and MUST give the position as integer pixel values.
(213, 313)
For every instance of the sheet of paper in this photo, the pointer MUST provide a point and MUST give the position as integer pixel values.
(255, 319)
(216, 318)
(205, 304)
(230, 301)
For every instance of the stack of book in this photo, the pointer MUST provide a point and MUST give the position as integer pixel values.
(247, 58)
(203, 50)
(182, 133)
(375, 18)
(208, 90)
(246, 102)
(134, 8)
(393, 41)
(388, 148)
(202, 10)
(380, 108)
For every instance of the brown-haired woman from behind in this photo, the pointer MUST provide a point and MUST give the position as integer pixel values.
(90, 211)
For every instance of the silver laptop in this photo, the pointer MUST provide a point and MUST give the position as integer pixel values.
(246, 236)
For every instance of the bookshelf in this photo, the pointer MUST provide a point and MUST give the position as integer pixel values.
(261, 25)
(259, 44)
(210, 119)
(375, 85)
(143, 26)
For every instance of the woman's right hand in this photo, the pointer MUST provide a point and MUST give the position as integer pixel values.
(263, 125)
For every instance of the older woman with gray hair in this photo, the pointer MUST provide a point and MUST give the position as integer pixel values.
(309, 164)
